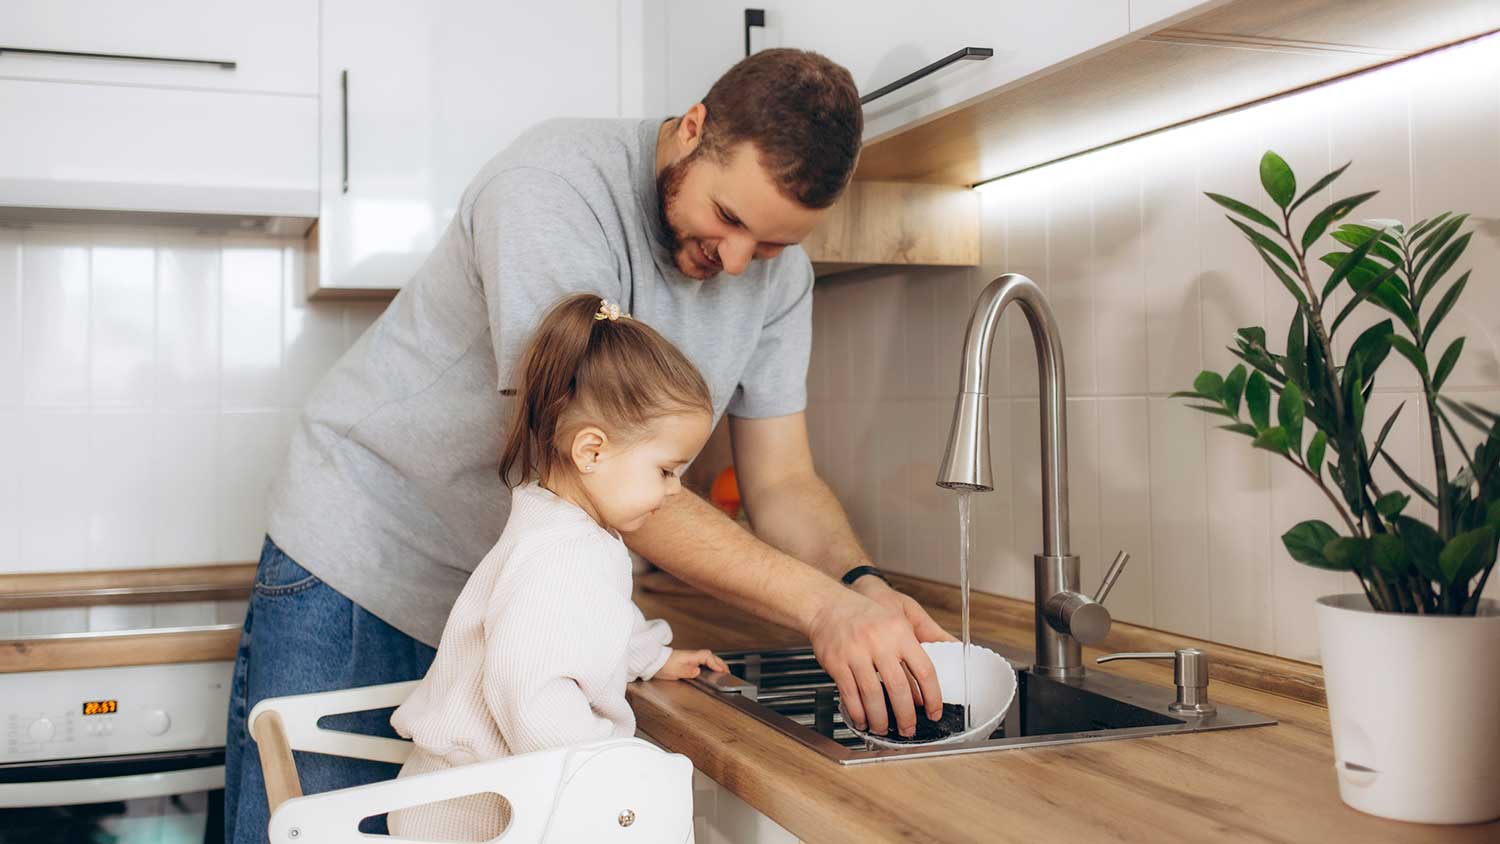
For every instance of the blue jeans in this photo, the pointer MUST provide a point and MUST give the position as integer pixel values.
(301, 636)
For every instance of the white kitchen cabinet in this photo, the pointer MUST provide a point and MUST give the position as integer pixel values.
(101, 114)
(273, 44)
(416, 97)
(69, 145)
(881, 41)
(720, 817)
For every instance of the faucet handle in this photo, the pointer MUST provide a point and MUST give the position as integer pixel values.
(1189, 671)
(1108, 583)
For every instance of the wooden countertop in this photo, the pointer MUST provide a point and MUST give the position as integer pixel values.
(1258, 784)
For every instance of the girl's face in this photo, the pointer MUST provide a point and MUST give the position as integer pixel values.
(626, 485)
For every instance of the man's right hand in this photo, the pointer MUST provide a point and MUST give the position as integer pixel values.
(860, 643)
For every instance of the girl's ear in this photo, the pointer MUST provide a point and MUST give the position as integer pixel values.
(588, 447)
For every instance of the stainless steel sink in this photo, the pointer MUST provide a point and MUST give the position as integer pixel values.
(788, 691)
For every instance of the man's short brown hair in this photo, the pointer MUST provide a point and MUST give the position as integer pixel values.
(802, 113)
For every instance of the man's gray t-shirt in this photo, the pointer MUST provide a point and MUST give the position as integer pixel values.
(391, 493)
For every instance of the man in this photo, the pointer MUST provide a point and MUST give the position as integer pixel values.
(390, 496)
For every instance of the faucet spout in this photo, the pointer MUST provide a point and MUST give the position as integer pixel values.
(966, 463)
(1066, 619)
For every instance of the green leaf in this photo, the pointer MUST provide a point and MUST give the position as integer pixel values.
(1492, 515)
(1209, 385)
(1411, 483)
(1345, 553)
(1425, 226)
(1268, 248)
(1352, 259)
(1306, 540)
(1215, 409)
(1336, 211)
(1423, 546)
(1276, 177)
(1315, 452)
(1391, 504)
(1384, 430)
(1253, 334)
(1248, 212)
(1239, 428)
(1382, 288)
(1289, 412)
(1444, 305)
(1296, 349)
(1466, 554)
(1388, 553)
(1409, 351)
(1234, 388)
(1353, 234)
(1371, 347)
(1357, 405)
(1472, 414)
(1258, 400)
(1434, 242)
(1442, 264)
(1445, 366)
(1319, 185)
(1274, 440)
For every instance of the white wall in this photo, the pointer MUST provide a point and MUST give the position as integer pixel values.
(1148, 282)
(149, 382)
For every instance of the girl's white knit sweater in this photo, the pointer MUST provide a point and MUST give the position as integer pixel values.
(535, 655)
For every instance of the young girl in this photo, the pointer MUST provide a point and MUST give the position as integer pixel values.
(544, 637)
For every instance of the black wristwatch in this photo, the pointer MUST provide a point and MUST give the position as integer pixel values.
(860, 571)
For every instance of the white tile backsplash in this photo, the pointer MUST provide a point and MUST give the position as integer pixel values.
(122, 324)
(1149, 282)
(149, 381)
(10, 319)
(55, 319)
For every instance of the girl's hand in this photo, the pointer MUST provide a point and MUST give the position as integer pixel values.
(685, 665)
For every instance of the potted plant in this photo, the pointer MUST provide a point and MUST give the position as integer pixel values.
(1411, 664)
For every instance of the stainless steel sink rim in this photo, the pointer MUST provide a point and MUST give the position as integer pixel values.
(1154, 699)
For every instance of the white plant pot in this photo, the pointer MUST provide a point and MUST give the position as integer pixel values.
(1415, 706)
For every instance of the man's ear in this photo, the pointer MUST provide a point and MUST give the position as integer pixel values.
(690, 127)
(588, 448)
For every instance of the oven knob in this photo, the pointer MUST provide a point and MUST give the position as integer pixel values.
(157, 722)
(40, 730)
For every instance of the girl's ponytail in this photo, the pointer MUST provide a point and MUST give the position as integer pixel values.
(588, 361)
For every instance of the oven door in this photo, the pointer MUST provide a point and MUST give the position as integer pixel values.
(149, 798)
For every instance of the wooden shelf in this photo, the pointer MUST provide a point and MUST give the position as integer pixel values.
(897, 223)
(108, 650)
(169, 584)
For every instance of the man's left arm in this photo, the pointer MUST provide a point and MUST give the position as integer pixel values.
(793, 510)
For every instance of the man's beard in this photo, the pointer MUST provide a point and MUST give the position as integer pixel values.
(668, 186)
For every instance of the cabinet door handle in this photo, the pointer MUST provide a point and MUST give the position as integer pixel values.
(967, 53)
(70, 54)
(344, 121)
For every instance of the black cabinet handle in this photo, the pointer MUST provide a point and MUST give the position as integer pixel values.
(967, 53)
(70, 54)
(344, 121)
(753, 17)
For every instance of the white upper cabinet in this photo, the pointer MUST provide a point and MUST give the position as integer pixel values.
(882, 41)
(416, 97)
(172, 106)
(269, 46)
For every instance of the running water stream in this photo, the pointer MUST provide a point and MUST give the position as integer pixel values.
(963, 579)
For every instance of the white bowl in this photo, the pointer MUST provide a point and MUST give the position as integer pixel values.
(993, 683)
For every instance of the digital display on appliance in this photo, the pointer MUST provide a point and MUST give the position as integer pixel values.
(100, 707)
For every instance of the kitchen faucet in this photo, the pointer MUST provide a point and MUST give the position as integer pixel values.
(1066, 619)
